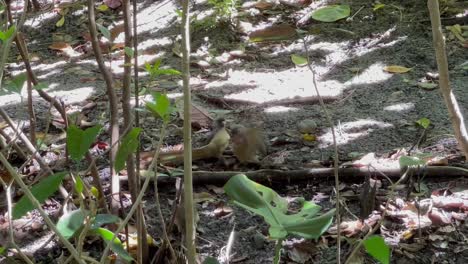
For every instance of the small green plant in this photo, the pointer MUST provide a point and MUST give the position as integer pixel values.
(224, 9)
(265, 202)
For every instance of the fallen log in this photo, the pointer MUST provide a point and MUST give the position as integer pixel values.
(346, 174)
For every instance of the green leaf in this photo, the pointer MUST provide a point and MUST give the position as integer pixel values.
(129, 51)
(6, 35)
(116, 244)
(104, 31)
(79, 141)
(376, 247)
(167, 72)
(41, 191)
(210, 260)
(331, 13)
(102, 8)
(378, 6)
(267, 203)
(299, 60)
(95, 192)
(161, 106)
(79, 185)
(60, 22)
(2, 250)
(424, 122)
(129, 145)
(16, 84)
(406, 161)
(148, 67)
(41, 86)
(9, 33)
(103, 219)
(71, 222)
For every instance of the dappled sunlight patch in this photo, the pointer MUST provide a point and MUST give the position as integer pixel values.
(349, 131)
(156, 17)
(38, 21)
(373, 74)
(73, 96)
(272, 86)
(403, 107)
(280, 109)
(149, 43)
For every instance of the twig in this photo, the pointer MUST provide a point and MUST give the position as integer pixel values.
(189, 208)
(335, 158)
(113, 103)
(455, 113)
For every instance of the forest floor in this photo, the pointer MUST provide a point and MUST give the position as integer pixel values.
(374, 111)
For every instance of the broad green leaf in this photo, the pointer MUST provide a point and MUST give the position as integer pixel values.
(2, 250)
(41, 86)
(267, 203)
(376, 247)
(331, 13)
(41, 191)
(299, 60)
(71, 222)
(103, 219)
(102, 8)
(60, 22)
(129, 51)
(116, 244)
(104, 31)
(79, 141)
(424, 122)
(129, 145)
(161, 106)
(406, 161)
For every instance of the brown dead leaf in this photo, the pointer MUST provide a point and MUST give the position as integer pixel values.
(88, 79)
(60, 46)
(118, 46)
(115, 31)
(263, 5)
(396, 69)
(273, 33)
(200, 117)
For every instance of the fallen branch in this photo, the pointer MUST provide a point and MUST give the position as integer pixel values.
(224, 102)
(221, 177)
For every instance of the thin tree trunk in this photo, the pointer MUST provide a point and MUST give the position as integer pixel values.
(113, 104)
